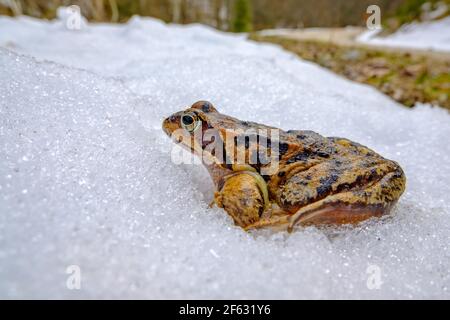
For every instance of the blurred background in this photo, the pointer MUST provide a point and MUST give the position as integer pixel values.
(412, 66)
(233, 15)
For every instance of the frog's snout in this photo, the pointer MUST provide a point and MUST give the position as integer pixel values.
(165, 126)
(170, 124)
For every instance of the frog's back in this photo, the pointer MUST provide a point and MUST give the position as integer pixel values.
(326, 167)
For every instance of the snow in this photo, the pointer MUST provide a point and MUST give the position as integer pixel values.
(86, 177)
(431, 35)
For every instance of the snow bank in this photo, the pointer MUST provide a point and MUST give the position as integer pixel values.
(433, 35)
(86, 177)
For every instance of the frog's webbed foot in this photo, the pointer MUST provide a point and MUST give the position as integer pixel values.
(274, 220)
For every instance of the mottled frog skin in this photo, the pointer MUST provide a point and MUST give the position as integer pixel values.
(318, 181)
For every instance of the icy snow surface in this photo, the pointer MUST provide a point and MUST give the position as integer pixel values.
(433, 35)
(86, 177)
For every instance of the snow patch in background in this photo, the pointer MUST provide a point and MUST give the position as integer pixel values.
(86, 177)
(433, 35)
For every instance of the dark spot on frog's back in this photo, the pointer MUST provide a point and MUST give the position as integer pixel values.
(323, 154)
(326, 185)
(284, 147)
(323, 190)
(328, 181)
(206, 107)
(302, 156)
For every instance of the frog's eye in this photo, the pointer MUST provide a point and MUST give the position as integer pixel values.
(190, 122)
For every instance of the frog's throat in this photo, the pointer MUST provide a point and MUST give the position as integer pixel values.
(243, 168)
(261, 183)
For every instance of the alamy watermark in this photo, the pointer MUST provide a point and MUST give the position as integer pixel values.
(73, 281)
(374, 281)
(373, 21)
(74, 19)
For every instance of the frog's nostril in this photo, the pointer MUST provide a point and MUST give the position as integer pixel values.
(172, 119)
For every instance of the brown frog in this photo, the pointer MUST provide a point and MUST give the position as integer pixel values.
(315, 180)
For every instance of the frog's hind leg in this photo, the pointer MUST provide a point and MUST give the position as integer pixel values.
(353, 206)
(240, 195)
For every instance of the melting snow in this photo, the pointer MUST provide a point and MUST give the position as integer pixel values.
(432, 35)
(86, 177)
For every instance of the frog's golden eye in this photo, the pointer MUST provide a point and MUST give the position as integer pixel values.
(190, 122)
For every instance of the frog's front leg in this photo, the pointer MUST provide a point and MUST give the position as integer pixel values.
(242, 197)
(245, 197)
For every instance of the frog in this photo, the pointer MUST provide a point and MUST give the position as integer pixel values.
(317, 180)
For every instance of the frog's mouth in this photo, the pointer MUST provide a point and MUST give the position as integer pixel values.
(171, 124)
